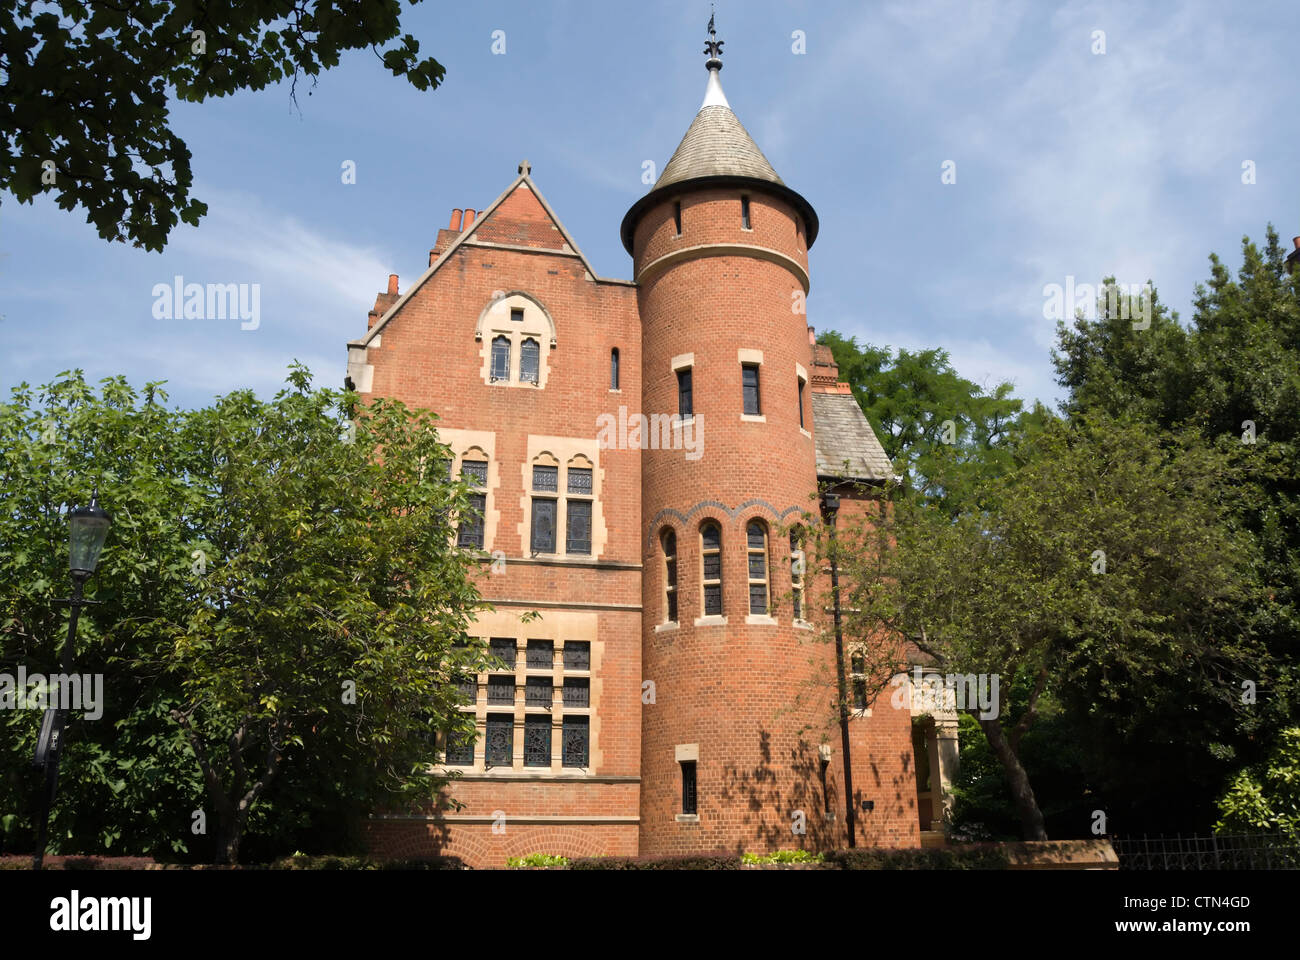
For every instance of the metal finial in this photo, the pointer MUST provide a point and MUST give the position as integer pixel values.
(713, 46)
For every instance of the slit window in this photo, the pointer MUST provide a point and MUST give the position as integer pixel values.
(744, 212)
(801, 424)
(677, 217)
(685, 404)
(749, 381)
(669, 542)
(689, 805)
(613, 369)
(797, 563)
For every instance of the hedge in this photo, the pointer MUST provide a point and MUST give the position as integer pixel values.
(719, 860)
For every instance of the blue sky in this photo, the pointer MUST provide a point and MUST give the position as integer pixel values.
(1068, 163)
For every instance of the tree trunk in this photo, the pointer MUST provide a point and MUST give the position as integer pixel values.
(1031, 818)
(229, 833)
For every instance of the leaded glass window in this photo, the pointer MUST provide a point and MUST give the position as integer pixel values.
(501, 691)
(579, 521)
(467, 688)
(529, 353)
(470, 533)
(541, 654)
(575, 741)
(504, 647)
(539, 692)
(711, 563)
(577, 692)
(543, 539)
(460, 749)
(500, 358)
(577, 655)
(756, 548)
(546, 478)
(474, 472)
(537, 741)
(580, 480)
(500, 740)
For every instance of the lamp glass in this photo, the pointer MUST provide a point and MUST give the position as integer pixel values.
(89, 527)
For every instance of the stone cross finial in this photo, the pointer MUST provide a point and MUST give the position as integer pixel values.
(525, 168)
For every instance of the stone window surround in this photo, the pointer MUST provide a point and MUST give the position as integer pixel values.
(477, 445)
(495, 321)
(560, 628)
(563, 452)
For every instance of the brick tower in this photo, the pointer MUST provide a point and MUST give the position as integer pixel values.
(731, 744)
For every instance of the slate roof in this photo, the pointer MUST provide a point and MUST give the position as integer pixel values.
(717, 144)
(842, 434)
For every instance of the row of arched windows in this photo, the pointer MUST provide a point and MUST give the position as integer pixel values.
(758, 570)
(530, 352)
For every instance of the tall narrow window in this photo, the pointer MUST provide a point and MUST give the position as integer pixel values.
(613, 369)
(744, 212)
(749, 383)
(669, 542)
(579, 521)
(756, 547)
(576, 737)
(537, 740)
(796, 572)
(711, 568)
(688, 787)
(801, 426)
(529, 353)
(500, 358)
(470, 534)
(500, 750)
(543, 538)
(677, 216)
(685, 407)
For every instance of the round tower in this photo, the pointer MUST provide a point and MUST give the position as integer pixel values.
(730, 742)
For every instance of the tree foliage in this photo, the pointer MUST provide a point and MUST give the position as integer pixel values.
(85, 114)
(282, 612)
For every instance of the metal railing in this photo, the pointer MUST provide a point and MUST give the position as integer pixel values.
(1223, 851)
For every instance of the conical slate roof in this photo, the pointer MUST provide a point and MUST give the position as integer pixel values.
(717, 144)
(717, 151)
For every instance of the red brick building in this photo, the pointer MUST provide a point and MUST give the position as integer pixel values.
(647, 454)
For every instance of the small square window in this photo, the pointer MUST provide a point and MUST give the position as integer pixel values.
(577, 655)
(517, 314)
(538, 692)
(501, 691)
(474, 472)
(546, 478)
(460, 750)
(577, 692)
(504, 647)
(541, 655)
(580, 480)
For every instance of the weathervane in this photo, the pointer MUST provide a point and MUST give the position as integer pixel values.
(713, 46)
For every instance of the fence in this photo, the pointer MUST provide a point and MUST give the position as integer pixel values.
(1236, 851)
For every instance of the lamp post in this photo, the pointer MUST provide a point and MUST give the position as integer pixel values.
(87, 528)
(830, 510)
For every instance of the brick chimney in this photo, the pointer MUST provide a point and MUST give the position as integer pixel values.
(455, 219)
(392, 284)
(469, 219)
(1293, 260)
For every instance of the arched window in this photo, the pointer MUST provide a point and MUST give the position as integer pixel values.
(711, 568)
(756, 548)
(668, 540)
(528, 361)
(798, 564)
(613, 369)
(500, 358)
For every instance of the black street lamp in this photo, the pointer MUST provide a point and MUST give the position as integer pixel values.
(830, 510)
(88, 526)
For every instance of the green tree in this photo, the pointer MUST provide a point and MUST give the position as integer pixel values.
(1106, 562)
(931, 421)
(1267, 796)
(84, 112)
(282, 605)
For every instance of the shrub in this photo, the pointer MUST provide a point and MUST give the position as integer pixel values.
(301, 862)
(538, 860)
(720, 860)
(960, 858)
(784, 856)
